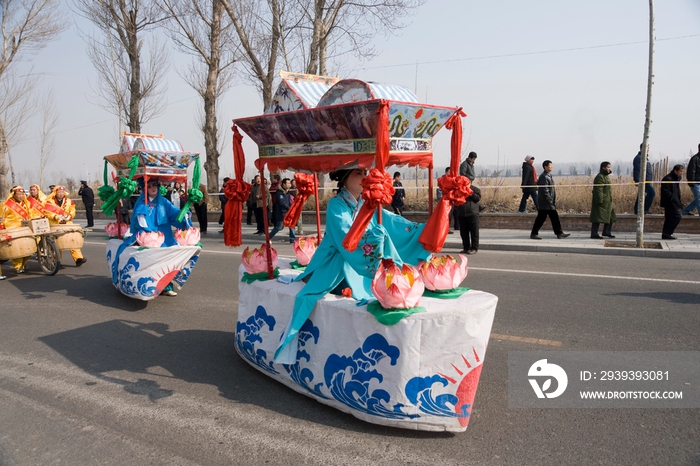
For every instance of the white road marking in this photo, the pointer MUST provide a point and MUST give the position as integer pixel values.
(586, 275)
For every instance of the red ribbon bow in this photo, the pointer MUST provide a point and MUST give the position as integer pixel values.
(377, 189)
(305, 187)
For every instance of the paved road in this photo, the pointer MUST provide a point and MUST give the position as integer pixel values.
(88, 376)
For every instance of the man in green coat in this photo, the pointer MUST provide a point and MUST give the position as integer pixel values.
(602, 210)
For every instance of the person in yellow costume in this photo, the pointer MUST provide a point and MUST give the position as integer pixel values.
(36, 201)
(15, 209)
(59, 209)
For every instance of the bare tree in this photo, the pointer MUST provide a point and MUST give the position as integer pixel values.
(202, 29)
(26, 26)
(647, 126)
(304, 34)
(47, 139)
(129, 79)
(17, 105)
(260, 28)
(332, 28)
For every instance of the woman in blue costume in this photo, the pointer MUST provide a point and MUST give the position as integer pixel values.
(333, 268)
(158, 214)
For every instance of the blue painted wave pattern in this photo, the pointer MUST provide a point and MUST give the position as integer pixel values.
(144, 286)
(248, 333)
(348, 379)
(419, 391)
(308, 333)
(185, 272)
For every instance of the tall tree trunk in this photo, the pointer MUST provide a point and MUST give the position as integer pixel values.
(210, 123)
(135, 85)
(322, 52)
(312, 67)
(645, 141)
(4, 187)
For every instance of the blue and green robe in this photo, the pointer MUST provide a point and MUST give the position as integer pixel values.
(332, 266)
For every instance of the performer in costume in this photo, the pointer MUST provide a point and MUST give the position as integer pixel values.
(36, 201)
(59, 209)
(15, 209)
(333, 268)
(158, 214)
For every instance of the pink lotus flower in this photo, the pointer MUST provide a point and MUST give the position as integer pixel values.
(443, 272)
(397, 287)
(255, 261)
(150, 239)
(116, 229)
(187, 237)
(304, 249)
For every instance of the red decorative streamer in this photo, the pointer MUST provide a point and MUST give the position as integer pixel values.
(305, 187)
(237, 192)
(455, 190)
(377, 187)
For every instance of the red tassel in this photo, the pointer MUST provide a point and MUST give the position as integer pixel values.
(237, 192)
(305, 187)
(374, 186)
(456, 190)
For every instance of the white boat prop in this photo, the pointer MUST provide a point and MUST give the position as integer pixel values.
(143, 272)
(419, 372)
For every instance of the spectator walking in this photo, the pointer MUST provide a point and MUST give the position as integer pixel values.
(88, 197)
(223, 199)
(671, 201)
(602, 208)
(200, 209)
(468, 215)
(397, 200)
(649, 192)
(547, 203)
(528, 183)
(693, 177)
(281, 207)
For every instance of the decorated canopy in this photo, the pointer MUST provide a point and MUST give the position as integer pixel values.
(342, 129)
(158, 157)
(299, 91)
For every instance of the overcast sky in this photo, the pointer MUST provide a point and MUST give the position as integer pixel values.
(547, 78)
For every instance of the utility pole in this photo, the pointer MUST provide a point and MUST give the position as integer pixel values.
(645, 142)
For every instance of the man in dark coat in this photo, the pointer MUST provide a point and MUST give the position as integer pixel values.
(671, 201)
(466, 168)
(529, 179)
(468, 215)
(602, 208)
(693, 177)
(89, 201)
(547, 203)
(280, 209)
(649, 192)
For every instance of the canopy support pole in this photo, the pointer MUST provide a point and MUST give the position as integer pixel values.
(318, 208)
(263, 194)
(430, 188)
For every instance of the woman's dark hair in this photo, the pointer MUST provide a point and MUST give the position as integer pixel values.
(340, 176)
